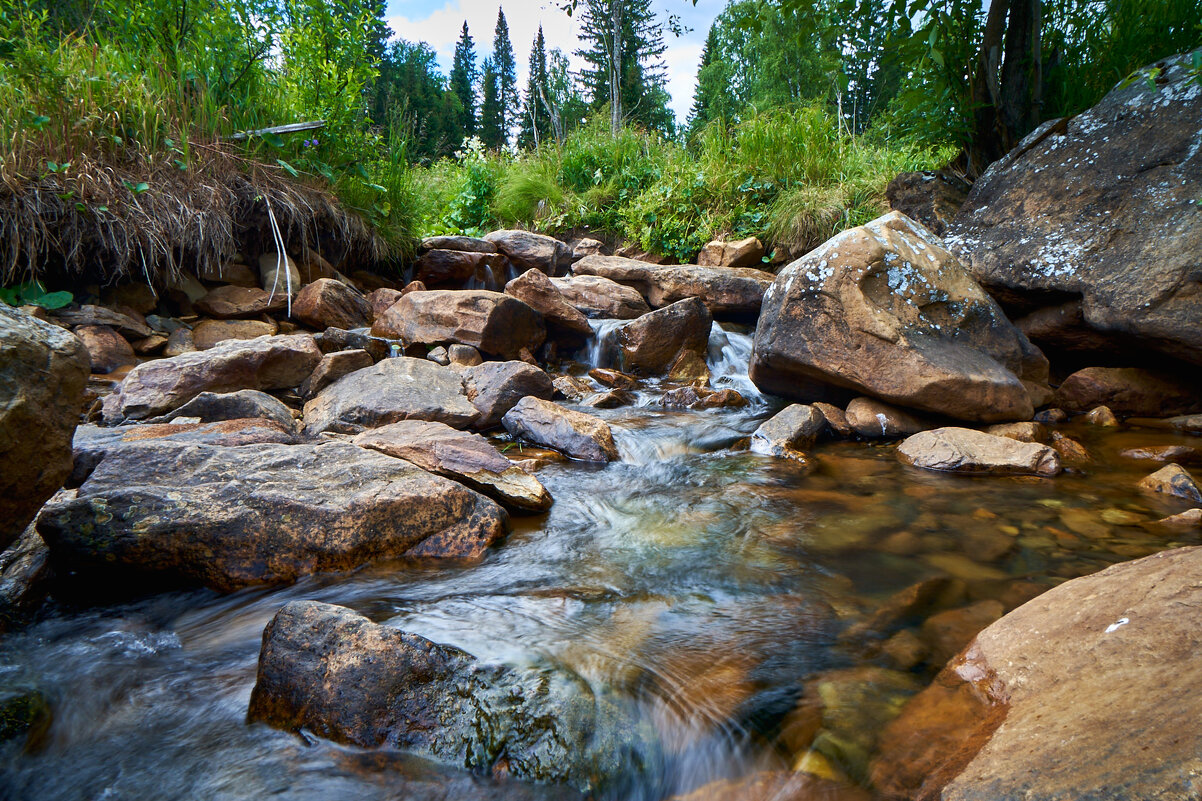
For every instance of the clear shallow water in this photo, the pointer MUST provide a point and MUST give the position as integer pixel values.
(699, 582)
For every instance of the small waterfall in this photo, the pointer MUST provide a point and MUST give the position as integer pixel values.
(729, 355)
(602, 349)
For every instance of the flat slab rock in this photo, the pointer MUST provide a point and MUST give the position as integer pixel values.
(334, 672)
(576, 434)
(227, 517)
(1089, 691)
(599, 297)
(963, 450)
(462, 456)
(727, 291)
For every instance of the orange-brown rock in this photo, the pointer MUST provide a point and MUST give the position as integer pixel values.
(229, 302)
(884, 310)
(380, 299)
(210, 333)
(653, 342)
(738, 254)
(107, 350)
(726, 291)
(1174, 480)
(946, 633)
(776, 786)
(327, 303)
(453, 267)
(873, 419)
(577, 434)
(595, 296)
(962, 450)
(531, 251)
(535, 289)
(491, 322)
(1129, 391)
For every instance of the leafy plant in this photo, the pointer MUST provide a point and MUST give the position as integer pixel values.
(34, 294)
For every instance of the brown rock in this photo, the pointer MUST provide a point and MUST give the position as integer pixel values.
(465, 457)
(1023, 432)
(1063, 328)
(229, 517)
(453, 267)
(179, 342)
(1101, 206)
(905, 650)
(535, 289)
(495, 387)
(690, 366)
(1128, 391)
(1188, 520)
(875, 420)
(278, 274)
(946, 633)
(614, 379)
(25, 574)
(107, 350)
(332, 367)
(743, 253)
(210, 333)
(931, 198)
(571, 388)
(266, 363)
(587, 247)
(579, 435)
(381, 299)
(1173, 479)
(595, 296)
(464, 356)
(327, 303)
(791, 430)
(245, 404)
(1071, 451)
(150, 345)
(43, 372)
(1051, 416)
(836, 418)
(1101, 416)
(898, 318)
(1186, 423)
(962, 450)
(137, 296)
(653, 342)
(126, 325)
(465, 244)
(1181, 454)
(229, 302)
(493, 323)
(905, 607)
(530, 251)
(727, 292)
(233, 272)
(388, 392)
(776, 786)
(611, 399)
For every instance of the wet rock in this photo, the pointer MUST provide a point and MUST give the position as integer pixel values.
(905, 650)
(329, 303)
(875, 420)
(1128, 391)
(228, 517)
(932, 198)
(43, 373)
(899, 319)
(24, 578)
(1101, 416)
(266, 363)
(495, 387)
(1039, 392)
(464, 244)
(595, 296)
(388, 392)
(452, 267)
(790, 431)
(1186, 423)
(333, 672)
(491, 322)
(742, 253)
(1023, 432)
(1188, 520)
(611, 399)
(690, 366)
(1101, 206)
(465, 457)
(726, 292)
(229, 302)
(1181, 454)
(962, 450)
(107, 350)
(535, 289)
(905, 607)
(530, 251)
(579, 435)
(23, 709)
(332, 367)
(1175, 480)
(1071, 451)
(1090, 678)
(946, 633)
(836, 418)
(211, 333)
(380, 300)
(278, 274)
(720, 399)
(776, 786)
(615, 379)
(571, 388)
(209, 407)
(653, 342)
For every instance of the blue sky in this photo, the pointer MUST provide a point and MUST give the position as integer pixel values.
(437, 22)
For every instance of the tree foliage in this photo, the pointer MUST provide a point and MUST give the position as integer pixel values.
(463, 79)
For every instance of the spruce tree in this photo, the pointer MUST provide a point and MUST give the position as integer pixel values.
(713, 98)
(506, 76)
(624, 62)
(464, 76)
(492, 117)
(536, 116)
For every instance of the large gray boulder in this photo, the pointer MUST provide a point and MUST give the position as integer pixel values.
(531, 251)
(495, 387)
(577, 434)
(963, 450)
(1102, 207)
(332, 671)
(43, 371)
(595, 297)
(227, 517)
(883, 310)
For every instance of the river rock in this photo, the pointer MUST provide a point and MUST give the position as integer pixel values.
(836, 418)
(726, 291)
(495, 387)
(1023, 432)
(535, 289)
(227, 517)
(465, 457)
(741, 253)
(1186, 521)
(332, 367)
(577, 434)
(932, 198)
(209, 407)
(332, 671)
(884, 310)
(43, 372)
(465, 244)
(327, 303)
(158, 386)
(777, 786)
(587, 247)
(1089, 691)
(1185, 423)
(129, 326)
(211, 333)
(387, 392)
(1101, 206)
(107, 350)
(652, 343)
(614, 379)
(571, 388)
(872, 419)
(962, 450)
(379, 300)
(790, 431)
(25, 574)
(595, 296)
(530, 251)
(1175, 480)
(229, 302)
(464, 356)
(453, 267)
(1181, 454)
(278, 274)
(491, 322)
(1128, 391)
(1101, 416)
(231, 272)
(946, 632)
(179, 342)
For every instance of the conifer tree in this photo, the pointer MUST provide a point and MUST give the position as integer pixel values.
(492, 118)
(536, 116)
(506, 76)
(624, 58)
(464, 76)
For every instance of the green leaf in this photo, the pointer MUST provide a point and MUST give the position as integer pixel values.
(141, 187)
(288, 168)
(81, 208)
(52, 166)
(53, 300)
(39, 121)
(275, 140)
(180, 164)
(101, 209)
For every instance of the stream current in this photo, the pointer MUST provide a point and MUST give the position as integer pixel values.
(698, 582)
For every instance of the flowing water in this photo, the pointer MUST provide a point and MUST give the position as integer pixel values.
(700, 583)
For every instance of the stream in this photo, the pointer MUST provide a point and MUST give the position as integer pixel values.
(699, 583)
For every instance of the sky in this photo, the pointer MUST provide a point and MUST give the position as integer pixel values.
(437, 23)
